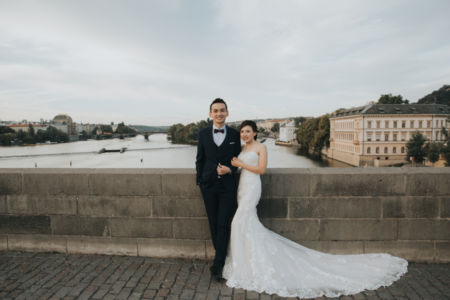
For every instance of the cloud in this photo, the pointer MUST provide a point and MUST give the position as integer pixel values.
(162, 62)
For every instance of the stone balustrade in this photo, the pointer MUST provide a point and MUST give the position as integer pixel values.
(160, 213)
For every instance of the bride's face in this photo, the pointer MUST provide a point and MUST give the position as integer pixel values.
(247, 134)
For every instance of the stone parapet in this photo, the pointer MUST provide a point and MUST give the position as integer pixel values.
(160, 212)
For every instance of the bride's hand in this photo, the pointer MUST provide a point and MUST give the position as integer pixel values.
(236, 162)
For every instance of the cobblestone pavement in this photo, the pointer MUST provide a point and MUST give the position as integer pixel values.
(59, 276)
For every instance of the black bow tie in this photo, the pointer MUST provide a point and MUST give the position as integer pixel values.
(219, 130)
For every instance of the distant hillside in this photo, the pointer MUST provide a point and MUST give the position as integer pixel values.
(441, 96)
(146, 128)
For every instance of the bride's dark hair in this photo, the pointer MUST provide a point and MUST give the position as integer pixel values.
(251, 124)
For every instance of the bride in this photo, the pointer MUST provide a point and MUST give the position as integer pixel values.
(263, 261)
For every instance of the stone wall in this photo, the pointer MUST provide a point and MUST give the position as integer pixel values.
(159, 212)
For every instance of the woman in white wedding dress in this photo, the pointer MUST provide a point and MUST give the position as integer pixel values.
(263, 261)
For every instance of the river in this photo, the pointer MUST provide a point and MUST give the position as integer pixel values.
(156, 152)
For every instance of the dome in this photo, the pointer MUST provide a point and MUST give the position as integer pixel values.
(62, 118)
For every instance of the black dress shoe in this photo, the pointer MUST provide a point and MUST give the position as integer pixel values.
(216, 273)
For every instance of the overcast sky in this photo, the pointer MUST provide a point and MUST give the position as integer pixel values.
(163, 62)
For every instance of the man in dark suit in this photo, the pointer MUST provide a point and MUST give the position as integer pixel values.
(217, 145)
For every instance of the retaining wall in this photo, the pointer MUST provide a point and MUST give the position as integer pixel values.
(160, 213)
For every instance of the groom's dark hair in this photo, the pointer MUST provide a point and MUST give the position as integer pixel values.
(218, 100)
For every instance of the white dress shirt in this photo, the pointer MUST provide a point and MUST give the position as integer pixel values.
(219, 137)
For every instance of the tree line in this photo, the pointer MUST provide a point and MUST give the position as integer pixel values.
(418, 148)
(10, 137)
(51, 134)
(187, 134)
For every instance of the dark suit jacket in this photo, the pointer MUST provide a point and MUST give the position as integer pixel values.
(209, 155)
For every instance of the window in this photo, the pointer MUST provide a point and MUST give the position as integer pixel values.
(394, 137)
(420, 124)
(369, 124)
(403, 124)
(395, 124)
(377, 150)
(386, 124)
(403, 149)
(378, 124)
(369, 137)
(378, 136)
(437, 123)
(386, 136)
(403, 136)
(394, 150)
(437, 135)
(411, 124)
(385, 149)
(368, 150)
(428, 124)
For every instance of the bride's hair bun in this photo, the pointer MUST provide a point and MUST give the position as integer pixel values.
(251, 124)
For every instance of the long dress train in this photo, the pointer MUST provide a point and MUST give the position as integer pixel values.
(263, 261)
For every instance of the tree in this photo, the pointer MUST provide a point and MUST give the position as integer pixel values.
(275, 127)
(299, 120)
(6, 129)
(441, 96)
(389, 99)
(415, 147)
(433, 151)
(446, 152)
(7, 138)
(31, 130)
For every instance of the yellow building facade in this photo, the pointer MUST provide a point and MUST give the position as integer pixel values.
(376, 134)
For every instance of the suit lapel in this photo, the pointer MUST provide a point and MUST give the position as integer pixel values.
(211, 142)
(227, 137)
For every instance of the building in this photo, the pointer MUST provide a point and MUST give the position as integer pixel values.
(25, 127)
(64, 123)
(376, 134)
(268, 124)
(287, 132)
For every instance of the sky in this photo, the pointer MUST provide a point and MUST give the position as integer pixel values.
(161, 62)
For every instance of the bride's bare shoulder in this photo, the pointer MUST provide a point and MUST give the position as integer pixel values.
(261, 147)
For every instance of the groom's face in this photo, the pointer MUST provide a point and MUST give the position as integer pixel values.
(219, 114)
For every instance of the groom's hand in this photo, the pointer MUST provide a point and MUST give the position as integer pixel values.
(222, 170)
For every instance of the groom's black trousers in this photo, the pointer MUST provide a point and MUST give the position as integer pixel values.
(220, 204)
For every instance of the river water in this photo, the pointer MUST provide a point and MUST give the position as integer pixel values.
(157, 152)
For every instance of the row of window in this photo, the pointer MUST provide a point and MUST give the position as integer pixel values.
(344, 125)
(386, 150)
(404, 124)
(403, 136)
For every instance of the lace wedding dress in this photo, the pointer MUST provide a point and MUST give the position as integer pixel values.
(263, 261)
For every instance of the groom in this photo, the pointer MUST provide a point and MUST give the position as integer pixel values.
(217, 145)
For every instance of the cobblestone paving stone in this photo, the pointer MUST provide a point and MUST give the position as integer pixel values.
(58, 276)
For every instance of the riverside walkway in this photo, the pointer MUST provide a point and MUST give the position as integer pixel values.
(59, 276)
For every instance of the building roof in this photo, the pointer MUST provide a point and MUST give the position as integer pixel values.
(396, 109)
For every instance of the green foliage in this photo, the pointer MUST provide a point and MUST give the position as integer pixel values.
(446, 152)
(31, 130)
(7, 138)
(188, 134)
(314, 134)
(83, 136)
(433, 150)
(275, 127)
(6, 129)
(106, 128)
(389, 99)
(441, 96)
(415, 147)
(299, 120)
(123, 129)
